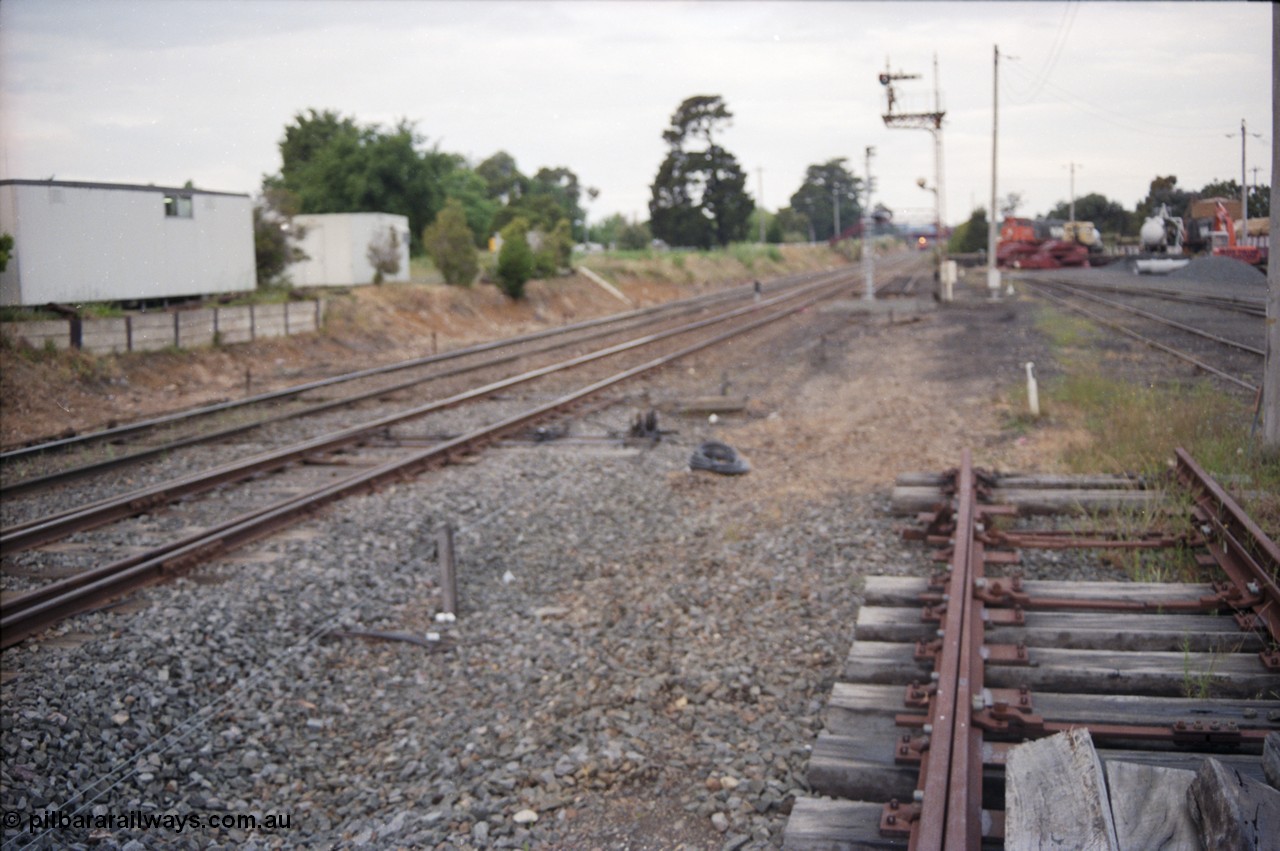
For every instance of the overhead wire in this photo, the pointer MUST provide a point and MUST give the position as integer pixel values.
(1121, 119)
(1053, 55)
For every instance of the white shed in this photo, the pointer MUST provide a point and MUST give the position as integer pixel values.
(90, 242)
(338, 245)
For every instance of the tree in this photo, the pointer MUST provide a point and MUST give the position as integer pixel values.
(971, 235)
(6, 250)
(561, 244)
(1010, 204)
(1164, 190)
(816, 198)
(790, 225)
(1259, 196)
(504, 180)
(470, 190)
(274, 235)
(561, 185)
(515, 259)
(606, 230)
(1107, 216)
(451, 244)
(332, 165)
(634, 236)
(698, 197)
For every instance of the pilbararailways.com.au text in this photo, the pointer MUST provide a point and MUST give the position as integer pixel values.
(38, 822)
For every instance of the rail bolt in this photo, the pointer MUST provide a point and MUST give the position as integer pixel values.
(891, 819)
(893, 803)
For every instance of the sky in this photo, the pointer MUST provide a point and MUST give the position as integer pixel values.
(1101, 95)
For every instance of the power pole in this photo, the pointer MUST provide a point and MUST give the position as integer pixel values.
(1271, 372)
(1072, 204)
(760, 175)
(835, 212)
(1244, 187)
(993, 274)
(868, 261)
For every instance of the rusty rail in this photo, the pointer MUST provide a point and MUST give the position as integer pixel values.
(54, 527)
(965, 726)
(34, 611)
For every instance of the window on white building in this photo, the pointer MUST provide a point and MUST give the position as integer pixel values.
(178, 206)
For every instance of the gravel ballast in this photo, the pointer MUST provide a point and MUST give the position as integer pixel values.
(642, 653)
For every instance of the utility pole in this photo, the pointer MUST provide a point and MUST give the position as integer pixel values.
(760, 175)
(1244, 187)
(868, 262)
(1072, 205)
(835, 212)
(993, 274)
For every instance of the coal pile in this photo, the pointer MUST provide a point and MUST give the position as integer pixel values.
(1220, 270)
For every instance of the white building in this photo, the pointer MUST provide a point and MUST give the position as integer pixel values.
(103, 242)
(338, 245)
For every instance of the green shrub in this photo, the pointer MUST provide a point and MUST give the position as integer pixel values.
(451, 244)
(515, 258)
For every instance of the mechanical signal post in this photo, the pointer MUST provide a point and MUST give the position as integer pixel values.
(931, 121)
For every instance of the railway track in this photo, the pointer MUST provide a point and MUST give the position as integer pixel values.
(948, 675)
(44, 464)
(167, 531)
(1220, 334)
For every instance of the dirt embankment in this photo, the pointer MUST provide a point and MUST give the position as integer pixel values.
(45, 395)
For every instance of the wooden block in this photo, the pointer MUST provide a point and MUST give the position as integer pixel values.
(1076, 630)
(823, 824)
(1149, 806)
(910, 499)
(857, 700)
(1232, 811)
(1047, 481)
(707, 405)
(1055, 796)
(906, 590)
(1167, 674)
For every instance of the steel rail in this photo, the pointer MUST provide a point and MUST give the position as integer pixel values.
(293, 390)
(1246, 554)
(944, 811)
(53, 527)
(1163, 320)
(649, 316)
(27, 614)
(967, 727)
(1250, 306)
(1178, 353)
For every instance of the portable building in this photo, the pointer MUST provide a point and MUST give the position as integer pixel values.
(339, 248)
(105, 242)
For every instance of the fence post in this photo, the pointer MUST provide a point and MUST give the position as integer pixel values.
(448, 576)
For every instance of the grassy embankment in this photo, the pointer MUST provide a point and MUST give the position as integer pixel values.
(1133, 424)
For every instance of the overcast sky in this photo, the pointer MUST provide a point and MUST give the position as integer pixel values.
(162, 91)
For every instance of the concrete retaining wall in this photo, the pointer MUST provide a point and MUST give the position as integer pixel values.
(186, 329)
